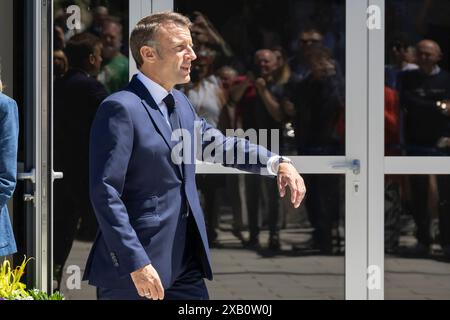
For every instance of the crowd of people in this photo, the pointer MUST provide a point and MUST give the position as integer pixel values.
(417, 124)
(88, 66)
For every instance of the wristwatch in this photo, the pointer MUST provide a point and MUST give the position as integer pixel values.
(281, 160)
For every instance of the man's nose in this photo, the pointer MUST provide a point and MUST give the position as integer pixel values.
(192, 54)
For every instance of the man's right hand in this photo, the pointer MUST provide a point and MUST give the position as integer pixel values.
(147, 283)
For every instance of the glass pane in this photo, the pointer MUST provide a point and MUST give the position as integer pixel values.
(272, 66)
(417, 237)
(417, 82)
(90, 62)
(262, 248)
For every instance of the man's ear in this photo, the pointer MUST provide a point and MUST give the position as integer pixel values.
(91, 59)
(148, 54)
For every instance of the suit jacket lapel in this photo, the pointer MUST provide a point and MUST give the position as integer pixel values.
(137, 87)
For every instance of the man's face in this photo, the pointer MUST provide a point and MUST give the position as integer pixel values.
(266, 62)
(112, 40)
(227, 78)
(310, 38)
(60, 61)
(280, 58)
(428, 54)
(405, 54)
(96, 61)
(409, 55)
(173, 65)
(100, 15)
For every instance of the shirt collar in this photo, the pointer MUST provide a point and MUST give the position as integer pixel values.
(436, 70)
(157, 91)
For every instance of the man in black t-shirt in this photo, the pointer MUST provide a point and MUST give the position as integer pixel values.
(425, 95)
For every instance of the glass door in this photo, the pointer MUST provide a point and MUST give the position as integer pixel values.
(88, 29)
(311, 57)
(410, 237)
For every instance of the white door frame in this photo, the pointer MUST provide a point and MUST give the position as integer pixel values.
(376, 150)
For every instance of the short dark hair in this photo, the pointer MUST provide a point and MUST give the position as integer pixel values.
(79, 48)
(144, 34)
(310, 26)
(112, 20)
(401, 40)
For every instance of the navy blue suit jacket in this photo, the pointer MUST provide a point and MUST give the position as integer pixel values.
(138, 192)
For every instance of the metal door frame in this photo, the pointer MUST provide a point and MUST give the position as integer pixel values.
(37, 100)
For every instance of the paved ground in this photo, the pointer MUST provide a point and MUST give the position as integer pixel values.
(245, 274)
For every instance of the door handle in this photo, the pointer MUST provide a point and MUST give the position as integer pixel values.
(57, 175)
(31, 176)
(354, 165)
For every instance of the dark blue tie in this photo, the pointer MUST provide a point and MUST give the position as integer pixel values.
(173, 116)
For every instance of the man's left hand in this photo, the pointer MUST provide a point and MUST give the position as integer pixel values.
(288, 176)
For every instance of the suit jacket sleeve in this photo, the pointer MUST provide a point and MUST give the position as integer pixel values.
(110, 151)
(232, 152)
(9, 130)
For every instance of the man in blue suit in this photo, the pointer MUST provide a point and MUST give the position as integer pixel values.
(152, 241)
(9, 135)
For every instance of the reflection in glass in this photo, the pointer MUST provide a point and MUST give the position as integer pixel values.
(262, 65)
(417, 237)
(281, 68)
(307, 263)
(416, 77)
(90, 62)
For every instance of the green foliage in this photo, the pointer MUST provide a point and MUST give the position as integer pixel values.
(39, 295)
